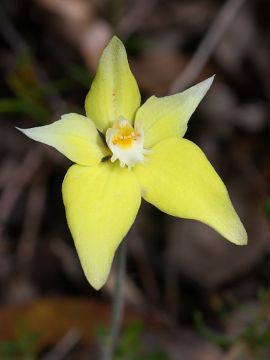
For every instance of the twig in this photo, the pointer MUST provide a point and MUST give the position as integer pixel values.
(32, 219)
(67, 258)
(208, 44)
(11, 35)
(21, 177)
(137, 15)
(149, 281)
(7, 168)
(65, 345)
(19, 46)
(81, 25)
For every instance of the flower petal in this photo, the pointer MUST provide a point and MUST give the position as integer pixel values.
(114, 92)
(168, 116)
(75, 136)
(179, 180)
(101, 204)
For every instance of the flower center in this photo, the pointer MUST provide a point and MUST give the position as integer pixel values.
(126, 143)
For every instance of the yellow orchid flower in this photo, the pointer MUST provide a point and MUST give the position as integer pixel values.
(124, 152)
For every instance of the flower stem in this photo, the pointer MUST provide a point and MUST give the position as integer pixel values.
(118, 304)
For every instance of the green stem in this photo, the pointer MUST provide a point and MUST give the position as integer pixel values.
(118, 304)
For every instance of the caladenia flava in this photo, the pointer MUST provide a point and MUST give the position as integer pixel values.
(142, 154)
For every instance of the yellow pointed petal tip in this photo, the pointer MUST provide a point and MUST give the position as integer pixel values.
(168, 116)
(241, 237)
(114, 92)
(73, 135)
(179, 180)
(230, 225)
(101, 204)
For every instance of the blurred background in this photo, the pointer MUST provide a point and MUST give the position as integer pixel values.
(190, 295)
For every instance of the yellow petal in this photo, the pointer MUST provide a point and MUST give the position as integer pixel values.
(168, 116)
(178, 179)
(114, 92)
(101, 204)
(75, 136)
